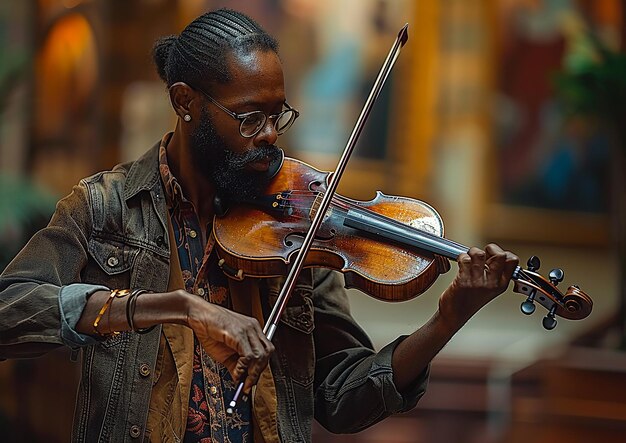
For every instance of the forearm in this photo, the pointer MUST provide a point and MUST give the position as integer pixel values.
(483, 275)
(151, 309)
(413, 354)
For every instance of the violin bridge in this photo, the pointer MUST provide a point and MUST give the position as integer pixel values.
(315, 205)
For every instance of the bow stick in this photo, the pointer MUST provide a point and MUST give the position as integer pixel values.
(294, 272)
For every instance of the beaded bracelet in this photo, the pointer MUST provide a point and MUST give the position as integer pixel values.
(131, 303)
(119, 293)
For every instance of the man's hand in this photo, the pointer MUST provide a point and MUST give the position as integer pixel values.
(235, 340)
(482, 276)
(232, 339)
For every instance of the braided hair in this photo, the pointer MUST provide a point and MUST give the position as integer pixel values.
(200, 52)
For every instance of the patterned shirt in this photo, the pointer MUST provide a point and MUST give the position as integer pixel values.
(212, 387)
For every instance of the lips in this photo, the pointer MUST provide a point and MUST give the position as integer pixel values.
(260, 165)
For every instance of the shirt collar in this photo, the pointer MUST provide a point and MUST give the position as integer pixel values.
(143, 174)
(173, 190)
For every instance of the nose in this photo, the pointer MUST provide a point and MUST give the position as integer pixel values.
(267, 135)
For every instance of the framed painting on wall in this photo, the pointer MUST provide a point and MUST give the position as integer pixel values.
(553, 169)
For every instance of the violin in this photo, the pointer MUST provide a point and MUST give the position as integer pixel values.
(391, 248)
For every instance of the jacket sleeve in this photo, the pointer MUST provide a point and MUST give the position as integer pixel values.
(354, 386)
(41, 297)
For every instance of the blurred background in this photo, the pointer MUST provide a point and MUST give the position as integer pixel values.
(507, 116)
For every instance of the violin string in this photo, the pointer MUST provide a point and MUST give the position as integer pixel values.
(343, 205)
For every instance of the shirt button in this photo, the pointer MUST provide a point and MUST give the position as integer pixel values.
(193, 234)
(113, 261)
(200, 291)
(144, 370)
(135, 431)
(213, 390)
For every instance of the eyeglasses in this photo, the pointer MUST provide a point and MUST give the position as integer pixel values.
(252, 122)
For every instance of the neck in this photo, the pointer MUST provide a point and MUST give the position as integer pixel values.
(196, 187)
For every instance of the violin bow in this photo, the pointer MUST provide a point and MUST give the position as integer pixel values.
(281, 302)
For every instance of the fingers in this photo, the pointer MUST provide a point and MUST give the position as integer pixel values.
(483, 275)
(235, 340)
(501, 263)
(493, 264)
(472, 264)
(479, 258)
(254, 350)
(510, 264)
(261, 353)
(248, 372)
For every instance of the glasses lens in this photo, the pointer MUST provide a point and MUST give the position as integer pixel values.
(285, 120)
(252, 124)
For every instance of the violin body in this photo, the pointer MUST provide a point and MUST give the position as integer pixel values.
(260, 239)
(391, 248)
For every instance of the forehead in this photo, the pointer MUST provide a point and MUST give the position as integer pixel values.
(255, 76)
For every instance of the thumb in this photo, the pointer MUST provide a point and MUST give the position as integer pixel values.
(237, 366)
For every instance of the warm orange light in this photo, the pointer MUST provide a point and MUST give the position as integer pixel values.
(67, 68)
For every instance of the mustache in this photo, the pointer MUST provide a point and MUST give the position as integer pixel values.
(239, 161)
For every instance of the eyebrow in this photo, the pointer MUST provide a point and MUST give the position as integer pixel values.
(256, 105)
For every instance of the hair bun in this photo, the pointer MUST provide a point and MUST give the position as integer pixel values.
(161, 54)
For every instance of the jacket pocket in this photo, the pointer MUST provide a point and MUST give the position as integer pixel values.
(295, 341)
(113, 257)
(300, 317)
(110, 263)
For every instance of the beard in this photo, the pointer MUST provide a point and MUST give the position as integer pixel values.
(225, 168)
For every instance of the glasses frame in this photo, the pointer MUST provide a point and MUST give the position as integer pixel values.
(241, 117)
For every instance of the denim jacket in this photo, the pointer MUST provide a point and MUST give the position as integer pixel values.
(111, 232)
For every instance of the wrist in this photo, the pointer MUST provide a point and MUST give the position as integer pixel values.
(444, 325)
(448, 319)
(194, 308)
(159, 308)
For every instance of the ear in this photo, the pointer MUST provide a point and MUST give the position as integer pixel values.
(181, 98)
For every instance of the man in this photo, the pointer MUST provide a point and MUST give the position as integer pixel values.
(126, 270)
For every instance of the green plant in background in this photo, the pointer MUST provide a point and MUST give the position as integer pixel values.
(592, 84)
(24, 209)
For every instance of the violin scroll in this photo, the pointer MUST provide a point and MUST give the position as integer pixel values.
(575, 304)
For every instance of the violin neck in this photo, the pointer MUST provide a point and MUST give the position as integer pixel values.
(389, 229)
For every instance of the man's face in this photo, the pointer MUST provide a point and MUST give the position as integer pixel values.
(231, 172)
(238, 166)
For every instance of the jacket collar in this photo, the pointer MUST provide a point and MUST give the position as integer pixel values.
(143, 174)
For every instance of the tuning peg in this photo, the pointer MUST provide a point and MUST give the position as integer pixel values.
(533, 263)
(556, 276)
(549, 322)
(528, 307)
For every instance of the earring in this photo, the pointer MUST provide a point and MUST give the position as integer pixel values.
(187, 117)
